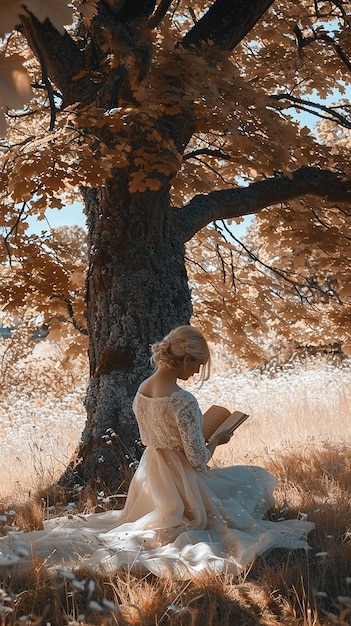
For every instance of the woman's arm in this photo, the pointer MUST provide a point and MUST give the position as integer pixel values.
(189, 421)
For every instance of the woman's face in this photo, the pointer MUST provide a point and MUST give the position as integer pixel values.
(190, 367)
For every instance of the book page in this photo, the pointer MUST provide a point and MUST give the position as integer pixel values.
(213, 417)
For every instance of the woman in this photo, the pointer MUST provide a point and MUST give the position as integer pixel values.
(180, 517)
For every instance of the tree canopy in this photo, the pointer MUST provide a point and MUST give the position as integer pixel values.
(244, 152)
(182, 116)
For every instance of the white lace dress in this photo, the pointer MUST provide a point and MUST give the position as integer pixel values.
(180, 517)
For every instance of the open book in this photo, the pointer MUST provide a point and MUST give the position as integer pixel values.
(218, 418)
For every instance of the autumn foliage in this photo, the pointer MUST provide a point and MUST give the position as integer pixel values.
(241, 104)
(174, 122)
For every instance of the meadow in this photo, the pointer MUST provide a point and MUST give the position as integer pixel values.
(299, 428)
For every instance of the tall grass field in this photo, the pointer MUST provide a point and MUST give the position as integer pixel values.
(299, 428)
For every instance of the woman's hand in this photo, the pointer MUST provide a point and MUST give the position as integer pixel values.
(222, 437)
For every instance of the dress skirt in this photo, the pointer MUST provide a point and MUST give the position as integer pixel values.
(177, 521)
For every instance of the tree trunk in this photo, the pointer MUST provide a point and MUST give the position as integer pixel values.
(137, 291)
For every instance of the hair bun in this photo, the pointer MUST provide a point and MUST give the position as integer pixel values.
(180, 342)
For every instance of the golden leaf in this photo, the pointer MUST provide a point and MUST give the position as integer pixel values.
(153, 183)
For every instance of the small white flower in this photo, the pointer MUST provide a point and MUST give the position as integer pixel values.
(5, 609)
(67, 573)
(21, 550)
(109, 605)
(113, 111)
(94, 606)
(321, 594)
(322, 555)
(177, 610)
(9, 559)
(78, 584)
(303, 516)
(91, 587)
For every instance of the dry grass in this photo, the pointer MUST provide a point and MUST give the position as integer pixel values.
(127, 600)
(299, 429)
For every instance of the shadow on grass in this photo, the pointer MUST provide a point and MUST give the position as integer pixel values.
(300, 587)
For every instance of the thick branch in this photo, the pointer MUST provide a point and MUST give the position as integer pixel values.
(132, 10)
(208, 152)
(63, 59)
(46, 81)
(159, 14)
(228, 203)
(227, 22)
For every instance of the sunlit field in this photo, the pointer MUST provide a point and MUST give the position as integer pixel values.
(299, 428)
(303, 404)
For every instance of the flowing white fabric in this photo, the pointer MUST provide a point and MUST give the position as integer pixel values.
(180, 517)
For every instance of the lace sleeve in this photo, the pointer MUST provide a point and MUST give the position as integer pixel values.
(189, 421)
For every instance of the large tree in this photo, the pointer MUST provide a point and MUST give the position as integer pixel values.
(169, 119)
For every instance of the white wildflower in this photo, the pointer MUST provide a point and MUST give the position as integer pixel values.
(113, 111)
(21, 550)
(303, 516)
(9, 559)
(322, 555)
(321, 594)
(91, 587)
(68, 574)
(5, 609)
(109, 605)
(78, 584)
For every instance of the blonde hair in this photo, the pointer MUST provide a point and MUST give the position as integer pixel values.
(179, 343)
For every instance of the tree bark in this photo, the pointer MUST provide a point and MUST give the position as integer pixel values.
(226, 23)
(137, 285)
(137, 291)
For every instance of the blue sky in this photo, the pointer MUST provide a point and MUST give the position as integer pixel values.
(68, 216)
